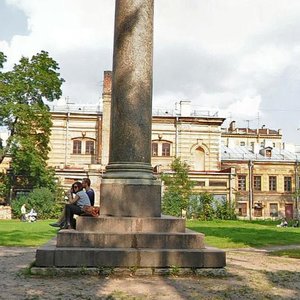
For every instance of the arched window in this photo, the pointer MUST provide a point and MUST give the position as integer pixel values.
(90, 147)
(76, 147)
(161, 148)
(165, 149)
(83, 146)
(199, 159)
(154, 149)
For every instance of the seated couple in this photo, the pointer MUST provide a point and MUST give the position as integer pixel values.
(77, 198)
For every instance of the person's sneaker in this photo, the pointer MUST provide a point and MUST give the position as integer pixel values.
(67, 226)
(56, 224)
(62, 224)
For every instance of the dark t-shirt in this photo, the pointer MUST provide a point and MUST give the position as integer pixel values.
(91, 195)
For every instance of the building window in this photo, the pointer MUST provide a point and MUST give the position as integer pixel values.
(273, 210)
(242, 182)
(154, 149)
(242, 143)
(287, 184)
(257, 211)
(268, 153)
(272, 183)
(242, 207)
(161, 148)
(90, 147)
(217, 183)
(165, 149)
(257, 183)
(76, 147)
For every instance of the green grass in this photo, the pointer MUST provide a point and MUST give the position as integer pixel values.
(242, 234)
(221, 234)
(293, 253)
(25, 234)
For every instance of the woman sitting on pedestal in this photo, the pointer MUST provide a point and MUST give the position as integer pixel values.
(75, 205)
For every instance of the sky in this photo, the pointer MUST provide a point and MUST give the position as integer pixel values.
(240, 58)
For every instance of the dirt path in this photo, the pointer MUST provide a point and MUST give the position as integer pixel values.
(252, 274)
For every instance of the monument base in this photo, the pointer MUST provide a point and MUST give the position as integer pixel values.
(130, 197)
(130, 243)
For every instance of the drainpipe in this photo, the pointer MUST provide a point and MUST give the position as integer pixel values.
(230, 188)
(297, 189)
(66, 139)
(98, 151)
(250, 188)
(176, 136)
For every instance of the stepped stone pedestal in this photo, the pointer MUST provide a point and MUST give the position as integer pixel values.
(130, 242)
(130, 232)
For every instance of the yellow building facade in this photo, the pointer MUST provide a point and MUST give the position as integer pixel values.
(266, 182)
(232, 164)
(80, 144)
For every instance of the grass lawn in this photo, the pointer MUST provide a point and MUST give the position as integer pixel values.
(221, 234)
(240, 234)
(17, 233)
(293, 253)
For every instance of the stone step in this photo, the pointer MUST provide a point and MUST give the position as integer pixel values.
(73, 238)
(51, 256)
(130, 224)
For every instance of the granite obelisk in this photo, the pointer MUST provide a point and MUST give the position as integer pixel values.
(128, 187)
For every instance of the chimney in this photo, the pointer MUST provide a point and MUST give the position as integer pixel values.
(232, 126)
(106, 97)
(185, 108)
(107, 83)
(255, 148)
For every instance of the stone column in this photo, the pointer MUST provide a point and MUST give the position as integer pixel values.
(106, 96)
(128, 187)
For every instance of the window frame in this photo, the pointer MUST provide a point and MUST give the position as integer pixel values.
(161, 148)
(90, 144)
(257, 182)
(154, 145)
(242, 182)
(165, 151)
(276, 214)
(242, 209)
(287, 183)
(268, 153)
(77, 146)
(272, 183)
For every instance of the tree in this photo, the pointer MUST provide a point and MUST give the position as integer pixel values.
(178, 189)
(23, 92)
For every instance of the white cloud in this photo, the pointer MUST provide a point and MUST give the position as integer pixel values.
(220, 54)
(265, 61)
(246, 107)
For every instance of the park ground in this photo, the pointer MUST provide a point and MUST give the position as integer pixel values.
(251, 273)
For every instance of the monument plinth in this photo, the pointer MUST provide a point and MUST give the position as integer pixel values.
(130, 231)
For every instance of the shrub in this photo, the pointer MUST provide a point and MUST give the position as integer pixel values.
(204, 207)
(46, 203)
(225, 211)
